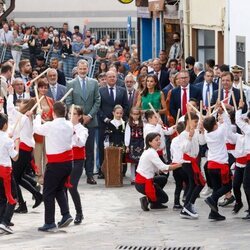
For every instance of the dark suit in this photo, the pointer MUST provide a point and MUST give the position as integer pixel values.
(105, 111)
(133, 99)
(164, 78)
(166, 90)
(199, 78)
(61, 77)
(237, 98)
(60, 92)
(192, 76)
(175, 99)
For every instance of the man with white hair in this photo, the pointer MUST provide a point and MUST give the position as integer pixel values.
(199, 71)
(56, 91)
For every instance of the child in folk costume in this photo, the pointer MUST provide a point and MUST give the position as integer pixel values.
(7, 184)
(191, 138)
(218, 168)
(79, 140)
(146, 182)
(58, 144)
(154, 124)
(134, 140)
(24, 130)
(180, 176)
(245, 128)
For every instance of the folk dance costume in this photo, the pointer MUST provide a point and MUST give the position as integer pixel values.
(196, 181)
(180, 176)
(218, 168)
(149, 184)
(58, 145)
(7, 183)
(134, 141)
(24, 161)
(245, 128)
(79, 140)
(240, 155)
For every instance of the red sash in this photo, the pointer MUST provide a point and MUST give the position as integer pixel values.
(230, 146)
(149, 186)
(25, 147)
(62, 157)
(5, 174)
(242, 160)
(79, 153)
(160, 152)
(198, 177)
(224, 169)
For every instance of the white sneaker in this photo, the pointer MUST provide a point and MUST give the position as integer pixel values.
(207, 192)
(6, 228)
(189, 209)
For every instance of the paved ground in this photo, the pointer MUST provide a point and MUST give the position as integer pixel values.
(113, 217)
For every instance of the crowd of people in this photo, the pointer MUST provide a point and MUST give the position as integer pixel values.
(164, 118)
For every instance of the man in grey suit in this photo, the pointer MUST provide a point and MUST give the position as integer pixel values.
(86, 94)
(56, 91)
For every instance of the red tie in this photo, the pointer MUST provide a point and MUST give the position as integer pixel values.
(226, 96)
(184, 101)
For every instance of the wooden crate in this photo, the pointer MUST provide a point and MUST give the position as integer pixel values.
(112, 167)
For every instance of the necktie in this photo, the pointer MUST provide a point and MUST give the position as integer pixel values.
(226, 96)
(83, 88)
(129, 97)
(53, 91)
(175, 51)
(20, 97)
(112, 93)
(184, 101)
(206, 97)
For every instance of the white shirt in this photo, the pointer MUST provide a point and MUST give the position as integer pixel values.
(58, 134)
(23, 96)
(245, 127)
(191, 147)
(3, 85)
(150, 128)
(240, 150)
(175, 149)
(80, 135)
(118, 123)
(150, 163)
(6, 37)
(53, 88)
(24, 127)
(114, 90)
(216, 142)
(158, 74)
(7, 150)
(229, 94)
(204, 91)
(246, 90)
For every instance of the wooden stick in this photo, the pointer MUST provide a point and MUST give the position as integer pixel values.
(189, 116)
(153, 109)
(209, 106)
(219, 89)
(201, 108)
(222, 101)
(36, 105)
(214, 112)
(178, 116)
(241, 89)
(234, 102)
(37, 96)
(72, 112)
(193, 107)
(44, 72)
(223, 106)
(13, 73)
(66, 95)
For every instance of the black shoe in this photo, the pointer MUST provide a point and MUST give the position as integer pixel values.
(6, 228)
(144, 203)
(237, 207)
(216, 216)
(78, 219)
(211, 203)
(39, 199)
(177, 207)
(247, 217)
(65, 221)
(157, 206)
(91, 181)
(22, 209)
(189, 208)
(10, 224)
(100, 176)
(47, 227)
(227, 201)
(185, 215)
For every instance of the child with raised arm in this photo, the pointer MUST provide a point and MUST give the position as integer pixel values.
(8, 151)
(146, 182)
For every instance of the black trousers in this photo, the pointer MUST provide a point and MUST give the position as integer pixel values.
(90, 146)
(208, 179)
(193, 190)
(102, 129)
(219, 189)
(6, 209)
(246, 182)
(159, 182)
(237, 182)
(75, 176)
(180, 177)
(21, 178)
(54, 180)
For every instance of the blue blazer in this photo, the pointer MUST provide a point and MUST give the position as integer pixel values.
(61, 91)
(175, 99)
